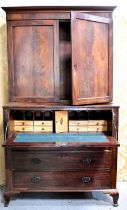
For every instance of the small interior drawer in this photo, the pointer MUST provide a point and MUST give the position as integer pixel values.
(23, 128)
(97, 128)
(43, 123)
(77, 128)
(43, 129)
(78, 122)
(97, 122)
(23, 122)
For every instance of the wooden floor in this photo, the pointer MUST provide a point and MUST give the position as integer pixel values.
(70, 201)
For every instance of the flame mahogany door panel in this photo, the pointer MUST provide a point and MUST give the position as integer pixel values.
(91, 58)
(34, 60)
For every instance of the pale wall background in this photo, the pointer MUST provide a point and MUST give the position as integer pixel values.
(120, 71)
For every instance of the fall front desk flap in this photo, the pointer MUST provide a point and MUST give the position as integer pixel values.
(60, 137)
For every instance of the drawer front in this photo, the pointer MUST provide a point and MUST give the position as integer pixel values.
(43, 129)
(77, 128)
(61, 181)
(96, 128)
(78, 122)
(87, 122)
(61, 160)
(97, 122)
(23, 128)
(23, 122)
(43, 123)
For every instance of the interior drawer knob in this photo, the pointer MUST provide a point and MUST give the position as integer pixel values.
(86, 179)
(36, 179)
(87, 161)
(36, 160)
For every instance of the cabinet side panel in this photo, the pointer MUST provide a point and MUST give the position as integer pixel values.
(8, 169)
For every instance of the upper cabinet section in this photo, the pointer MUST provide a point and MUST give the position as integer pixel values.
(60, 55)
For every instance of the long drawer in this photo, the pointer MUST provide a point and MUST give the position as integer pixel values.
(61, 160)
(78, 180)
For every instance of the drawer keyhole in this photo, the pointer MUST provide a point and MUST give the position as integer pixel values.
(36, 179)
(36, 160)
(87, 161)
(86, 179)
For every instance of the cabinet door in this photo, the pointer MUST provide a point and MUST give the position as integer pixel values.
(91, 58)
(33, 60)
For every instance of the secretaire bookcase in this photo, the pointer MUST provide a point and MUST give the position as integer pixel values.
(60, 129)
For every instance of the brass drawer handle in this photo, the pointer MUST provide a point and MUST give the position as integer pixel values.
(87, 161)
(36, 160)
(36, 179)
(86, 179)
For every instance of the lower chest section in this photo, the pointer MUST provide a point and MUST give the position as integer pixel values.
(61, 170)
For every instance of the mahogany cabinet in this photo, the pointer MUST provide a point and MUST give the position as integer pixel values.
(60, 55)
(61, 134)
